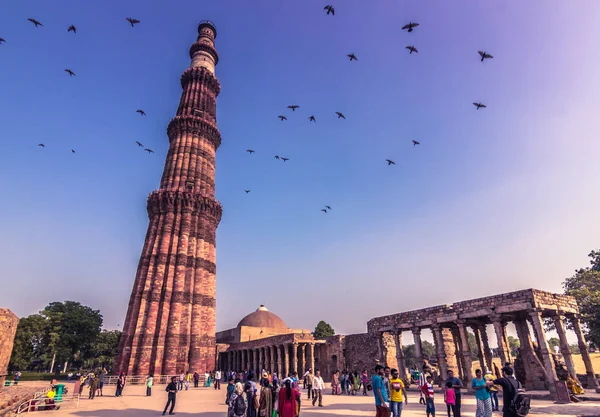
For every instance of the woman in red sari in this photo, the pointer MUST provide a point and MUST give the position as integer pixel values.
(289, 400)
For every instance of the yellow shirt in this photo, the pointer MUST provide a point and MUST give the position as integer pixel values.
(396, 387)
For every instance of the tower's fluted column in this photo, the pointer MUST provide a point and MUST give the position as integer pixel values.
(170, 322)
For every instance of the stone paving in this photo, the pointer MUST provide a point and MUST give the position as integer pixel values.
(206, 402)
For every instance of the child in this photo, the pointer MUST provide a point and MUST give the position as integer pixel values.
(230, 388)
(427, 390)
(450, 398)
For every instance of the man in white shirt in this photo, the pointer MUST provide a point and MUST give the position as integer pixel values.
(217, 383)
(318, 387)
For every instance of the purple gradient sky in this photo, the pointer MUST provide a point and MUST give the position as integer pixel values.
(492, 201)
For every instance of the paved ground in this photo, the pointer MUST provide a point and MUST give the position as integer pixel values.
(206, 402)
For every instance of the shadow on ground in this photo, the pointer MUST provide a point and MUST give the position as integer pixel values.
(137, 412)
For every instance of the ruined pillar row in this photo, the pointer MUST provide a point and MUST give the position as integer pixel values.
(540, 335)
(585, 354)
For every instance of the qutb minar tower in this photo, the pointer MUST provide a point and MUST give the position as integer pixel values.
(170, 325)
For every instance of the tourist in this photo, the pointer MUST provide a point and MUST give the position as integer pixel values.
(265, 404)
(252, 400)
(398, 394)
(427, 390)
(82, 384)
(308, 377)
(217, 383)
(343, 379)
(188, 379)
(196, 379)
(573, 386)
(230, 389)
(238, 405)
(457, 385)
(484, 404)
(250, 379)
(450, 399)
(180, 381)
(304, 380)
(206, 379)
(364, 381)
(101, 376)
(493, 390)
(356, 383)
(17, 377)
(120, 384)
(318, 387)
(382, 406)
(335, 383)
(149, 383)
(386, 381)
(172, 389)
(422, 380)
(509, 389)
(94, 384)
(289, 399)
(294, 377)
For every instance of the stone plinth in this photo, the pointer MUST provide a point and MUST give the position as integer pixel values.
(8, 329)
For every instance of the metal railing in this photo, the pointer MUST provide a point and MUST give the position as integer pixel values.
(141, 380)
(41, 404)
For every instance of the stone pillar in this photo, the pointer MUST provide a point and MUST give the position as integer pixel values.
(400, 355)
(564, 345)
(487, 353)
(279, 363)
(418, 348)
(592, 383)
(466, 353)
(286, 359)
(380, 357)
(449, 350)
(312, 357)
(502, 348)
(295, 357)
(8, 328)
(533, 365)
(480, 354)
(273, 367)
(540, 335)
(458, 355)
(438, 339)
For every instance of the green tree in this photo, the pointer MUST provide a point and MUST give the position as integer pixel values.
(473, 345)
(513, 344)
(323, 330)
(584, 285)
(410, 356)
(29, 344)
(103, 351)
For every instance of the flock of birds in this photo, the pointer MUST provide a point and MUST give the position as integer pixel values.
(73, 28)
(330, 10)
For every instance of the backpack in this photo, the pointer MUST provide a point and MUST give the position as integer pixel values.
(239, 406)
(521, 403)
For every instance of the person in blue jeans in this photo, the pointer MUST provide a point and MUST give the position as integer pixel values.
(427, 391)
(382, 405)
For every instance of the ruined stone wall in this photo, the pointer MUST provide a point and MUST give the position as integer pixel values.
(360, 351)
(389, 350)
(8, 329)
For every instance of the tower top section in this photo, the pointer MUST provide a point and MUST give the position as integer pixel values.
(203, 52)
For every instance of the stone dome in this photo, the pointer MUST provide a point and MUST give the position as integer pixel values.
(262, 318)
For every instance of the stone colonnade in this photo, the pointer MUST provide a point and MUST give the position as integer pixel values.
(282, 358)
(450, 325)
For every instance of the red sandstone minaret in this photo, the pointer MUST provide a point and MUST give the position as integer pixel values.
(170, 323)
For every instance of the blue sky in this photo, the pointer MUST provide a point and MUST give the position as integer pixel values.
(492, 201)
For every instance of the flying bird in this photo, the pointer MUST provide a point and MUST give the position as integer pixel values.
(149, 150)
(72, 150)
(142, 112)
(484, 55)
(330, 9)
(247, 191)
(479, 105)
(324, 211)
(293, 107)
(285, 159)
(139, 144)
(312, 119)
(277, 157)
(35, 22)
(71, 73)
(328, 208)
(415, 143)
(340, 115)
(42, 145)
(282, 118)
(72, 29)
(2, 41)
(390, 162)
(412, 49)
(410, 26)
(250, 151)
(352, 57)
(132, 21)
